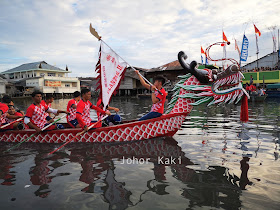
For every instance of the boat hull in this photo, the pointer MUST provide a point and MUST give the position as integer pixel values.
(166, 125)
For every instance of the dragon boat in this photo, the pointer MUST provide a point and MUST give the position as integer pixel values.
(196, 87)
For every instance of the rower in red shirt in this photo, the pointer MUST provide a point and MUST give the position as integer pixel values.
(83, 110)
(35, 113)
(6, 100)
(158, 96)
(48, 102)
(71, 107)
(11, 116)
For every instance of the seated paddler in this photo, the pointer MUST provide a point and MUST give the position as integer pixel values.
(36, 114)
(71, 107)
(158, 96)
(113, 119)
(83, 110)
(11, 116)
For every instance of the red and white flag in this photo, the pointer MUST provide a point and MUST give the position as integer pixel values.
(111, 71)
(237, 48)
(257, 31)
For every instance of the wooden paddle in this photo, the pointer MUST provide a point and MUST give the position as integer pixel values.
(78, 134)
(36, 133)
(6, 125)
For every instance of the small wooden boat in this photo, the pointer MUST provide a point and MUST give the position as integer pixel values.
(257, 98)
(199, 86)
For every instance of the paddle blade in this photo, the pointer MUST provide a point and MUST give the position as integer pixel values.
(94, 32)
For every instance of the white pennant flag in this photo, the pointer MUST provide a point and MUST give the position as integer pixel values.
(111, 72)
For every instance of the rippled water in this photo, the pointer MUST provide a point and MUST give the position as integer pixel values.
(223, 164)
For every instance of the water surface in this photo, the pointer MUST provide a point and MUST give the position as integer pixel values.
(224, 164)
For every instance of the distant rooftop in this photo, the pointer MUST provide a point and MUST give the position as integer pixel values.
(174, 65)
(33, 66)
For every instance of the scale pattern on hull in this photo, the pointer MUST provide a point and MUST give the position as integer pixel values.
(166, 125)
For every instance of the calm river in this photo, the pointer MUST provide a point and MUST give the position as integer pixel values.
(224, 165)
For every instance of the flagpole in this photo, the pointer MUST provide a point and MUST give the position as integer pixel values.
(94, 33)
(257, 52)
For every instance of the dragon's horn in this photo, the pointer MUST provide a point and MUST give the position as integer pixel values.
(201, 75)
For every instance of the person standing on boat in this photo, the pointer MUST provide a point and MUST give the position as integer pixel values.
(36, 113)
(6, 100)
(83, 110)
(71, 107)
(158, 96)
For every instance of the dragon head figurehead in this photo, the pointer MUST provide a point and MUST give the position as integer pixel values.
(205, 86)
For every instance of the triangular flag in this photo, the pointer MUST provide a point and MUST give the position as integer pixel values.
(111, 71)
(224, 37)
(236, 47)
(257, 30)
(202, 51)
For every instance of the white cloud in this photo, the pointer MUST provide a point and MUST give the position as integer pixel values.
(146, 33)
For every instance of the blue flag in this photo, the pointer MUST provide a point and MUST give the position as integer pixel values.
(206, 61)
(201, 59)
(244, 50)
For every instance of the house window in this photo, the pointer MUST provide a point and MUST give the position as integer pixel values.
(34, 74)
(42, 74)
(51, 74)
(67, 85)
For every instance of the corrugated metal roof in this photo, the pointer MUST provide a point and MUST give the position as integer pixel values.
(174, 65)
(30, 66)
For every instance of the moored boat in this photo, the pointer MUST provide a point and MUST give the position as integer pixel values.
(257, 98)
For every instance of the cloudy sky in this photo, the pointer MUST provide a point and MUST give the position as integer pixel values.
(146, 33)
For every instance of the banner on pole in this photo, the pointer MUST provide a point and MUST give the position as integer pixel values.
(111, 71)
(244, 49)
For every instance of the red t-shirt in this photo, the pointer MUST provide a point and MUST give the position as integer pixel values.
(8, 120)
(159, 106)
(83, 112)
(3, 108)
(37, 114)
(72, 110)
(48, 105)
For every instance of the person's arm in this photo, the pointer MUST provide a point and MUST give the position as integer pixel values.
(100, 110)
(113, 108)
(74, 106)
(14, 116)
(146, 85)
(155, 99)
(29, 113)
(31, 125)
(56, 111)
(79, 112)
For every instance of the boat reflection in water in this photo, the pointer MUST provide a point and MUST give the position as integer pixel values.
(99, 162)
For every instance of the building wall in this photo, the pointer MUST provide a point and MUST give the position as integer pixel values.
(263, 76)
(33, 73)
(270, 60)
(2, 88)
(66, 85)
(127, 84)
